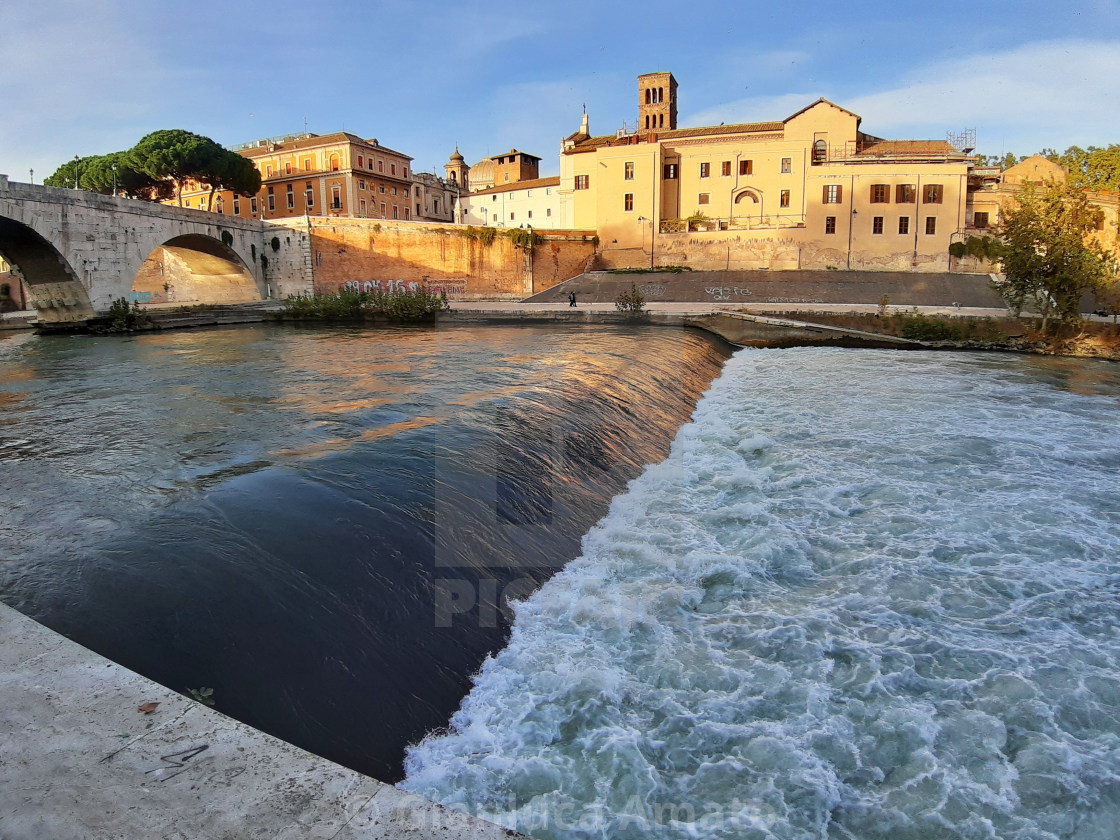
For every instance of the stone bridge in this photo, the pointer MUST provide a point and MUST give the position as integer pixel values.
(77, 252)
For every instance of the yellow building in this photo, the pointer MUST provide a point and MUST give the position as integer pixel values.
(331, 175)
(809, 191)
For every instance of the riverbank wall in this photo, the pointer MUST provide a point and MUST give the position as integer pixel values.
(466, 262)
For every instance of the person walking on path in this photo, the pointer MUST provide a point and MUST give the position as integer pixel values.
(571, 298)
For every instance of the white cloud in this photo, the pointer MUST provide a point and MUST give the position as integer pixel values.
(1053, 93)
(1050, 93)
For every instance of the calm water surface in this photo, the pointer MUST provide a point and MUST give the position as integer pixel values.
(321, 525)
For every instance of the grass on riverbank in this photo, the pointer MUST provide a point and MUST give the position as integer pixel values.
(1094, 339)
(405, 305)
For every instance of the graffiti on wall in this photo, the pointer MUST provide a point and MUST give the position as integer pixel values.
(450, 287)
(726, 292)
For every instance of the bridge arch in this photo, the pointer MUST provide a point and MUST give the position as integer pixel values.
(194, 268)
(53, 287)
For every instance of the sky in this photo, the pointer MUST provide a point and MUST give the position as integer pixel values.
(85, 77)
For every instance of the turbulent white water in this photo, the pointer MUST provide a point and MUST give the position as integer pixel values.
(868, 595)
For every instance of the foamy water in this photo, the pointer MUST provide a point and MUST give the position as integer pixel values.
(868, 595)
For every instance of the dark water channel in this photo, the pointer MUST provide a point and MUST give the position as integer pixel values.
(321, 525)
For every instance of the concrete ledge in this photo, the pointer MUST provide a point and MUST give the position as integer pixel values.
(80, 760)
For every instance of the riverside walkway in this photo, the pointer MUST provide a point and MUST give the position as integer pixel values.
(93, 750)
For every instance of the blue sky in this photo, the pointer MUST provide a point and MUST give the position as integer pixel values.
(93, 76)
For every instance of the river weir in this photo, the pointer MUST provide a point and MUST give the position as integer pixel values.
(832, 593)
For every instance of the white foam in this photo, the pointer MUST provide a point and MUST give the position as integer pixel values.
(867, 594)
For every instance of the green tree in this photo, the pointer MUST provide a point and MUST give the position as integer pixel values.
(175, 156)
(1049, 259)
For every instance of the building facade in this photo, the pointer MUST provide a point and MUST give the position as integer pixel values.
(809, 191)
(524, 204)
(433, 198)
(337, 174)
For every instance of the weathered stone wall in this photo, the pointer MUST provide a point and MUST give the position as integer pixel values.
(78, 251)
(179, 275)
(453, 258)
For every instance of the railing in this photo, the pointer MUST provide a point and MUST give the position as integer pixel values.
(714, 225)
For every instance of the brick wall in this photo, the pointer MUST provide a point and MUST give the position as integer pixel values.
(452, 257)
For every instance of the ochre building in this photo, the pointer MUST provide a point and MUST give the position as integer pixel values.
(812, 190)
(337, 174)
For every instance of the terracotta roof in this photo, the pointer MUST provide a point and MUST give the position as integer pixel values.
(518, 185)
(592, 143)
(818, 102)
(320, 140)
(908, 148)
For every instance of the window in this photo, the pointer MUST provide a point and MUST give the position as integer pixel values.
(287, 167)
(381, 188)
(670, 172)
(784, 200)
(725, 168)
(394, 190)
(237, 205)
(271, 199)
(393, 171)
(705, 170)
(406, 217)
(435, 206)
(548, 190)
(628, 170)
(931, 225)
(511, 217)
(581, 182)
(382, 209)
(903, 225)
(336, 197)
(904, 194)
(291, 196)
(381, 166)
(268, 171)
(361, 184)
(528, 193)
(369, 164)
(530, 214)
(334, 163)
(362, 207)
(932, 194)
(833, 194)
(877, 224)
(880, 193)
(361, 160)
(830, 224)
(548, 212)
(704, 198)
(307, 164)
(396, 212)
(787, 166)
(309, 192)
(219, 205)
(253, 205)
(628, 202)
(746, 167)
(404, 174)
(980, 220)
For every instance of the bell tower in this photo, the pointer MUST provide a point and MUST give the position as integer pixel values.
(657, 102)
(457, 171)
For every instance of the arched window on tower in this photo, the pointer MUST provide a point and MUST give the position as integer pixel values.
(820, 152)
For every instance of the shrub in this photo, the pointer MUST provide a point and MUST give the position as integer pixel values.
(350, 305)
(633, 301)
(124, 317)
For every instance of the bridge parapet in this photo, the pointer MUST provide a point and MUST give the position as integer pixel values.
(79, 251)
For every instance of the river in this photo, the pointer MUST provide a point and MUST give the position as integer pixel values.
(321, 526)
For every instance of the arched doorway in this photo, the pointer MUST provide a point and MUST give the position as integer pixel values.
(747, 207)
(50, 284)
(194, 269)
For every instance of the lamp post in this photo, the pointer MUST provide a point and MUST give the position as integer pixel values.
(77, 160)
(114, 180)
(32, 176)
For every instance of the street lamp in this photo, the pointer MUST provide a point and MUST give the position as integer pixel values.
(77, 160)
(114, 180)
(32, 176)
